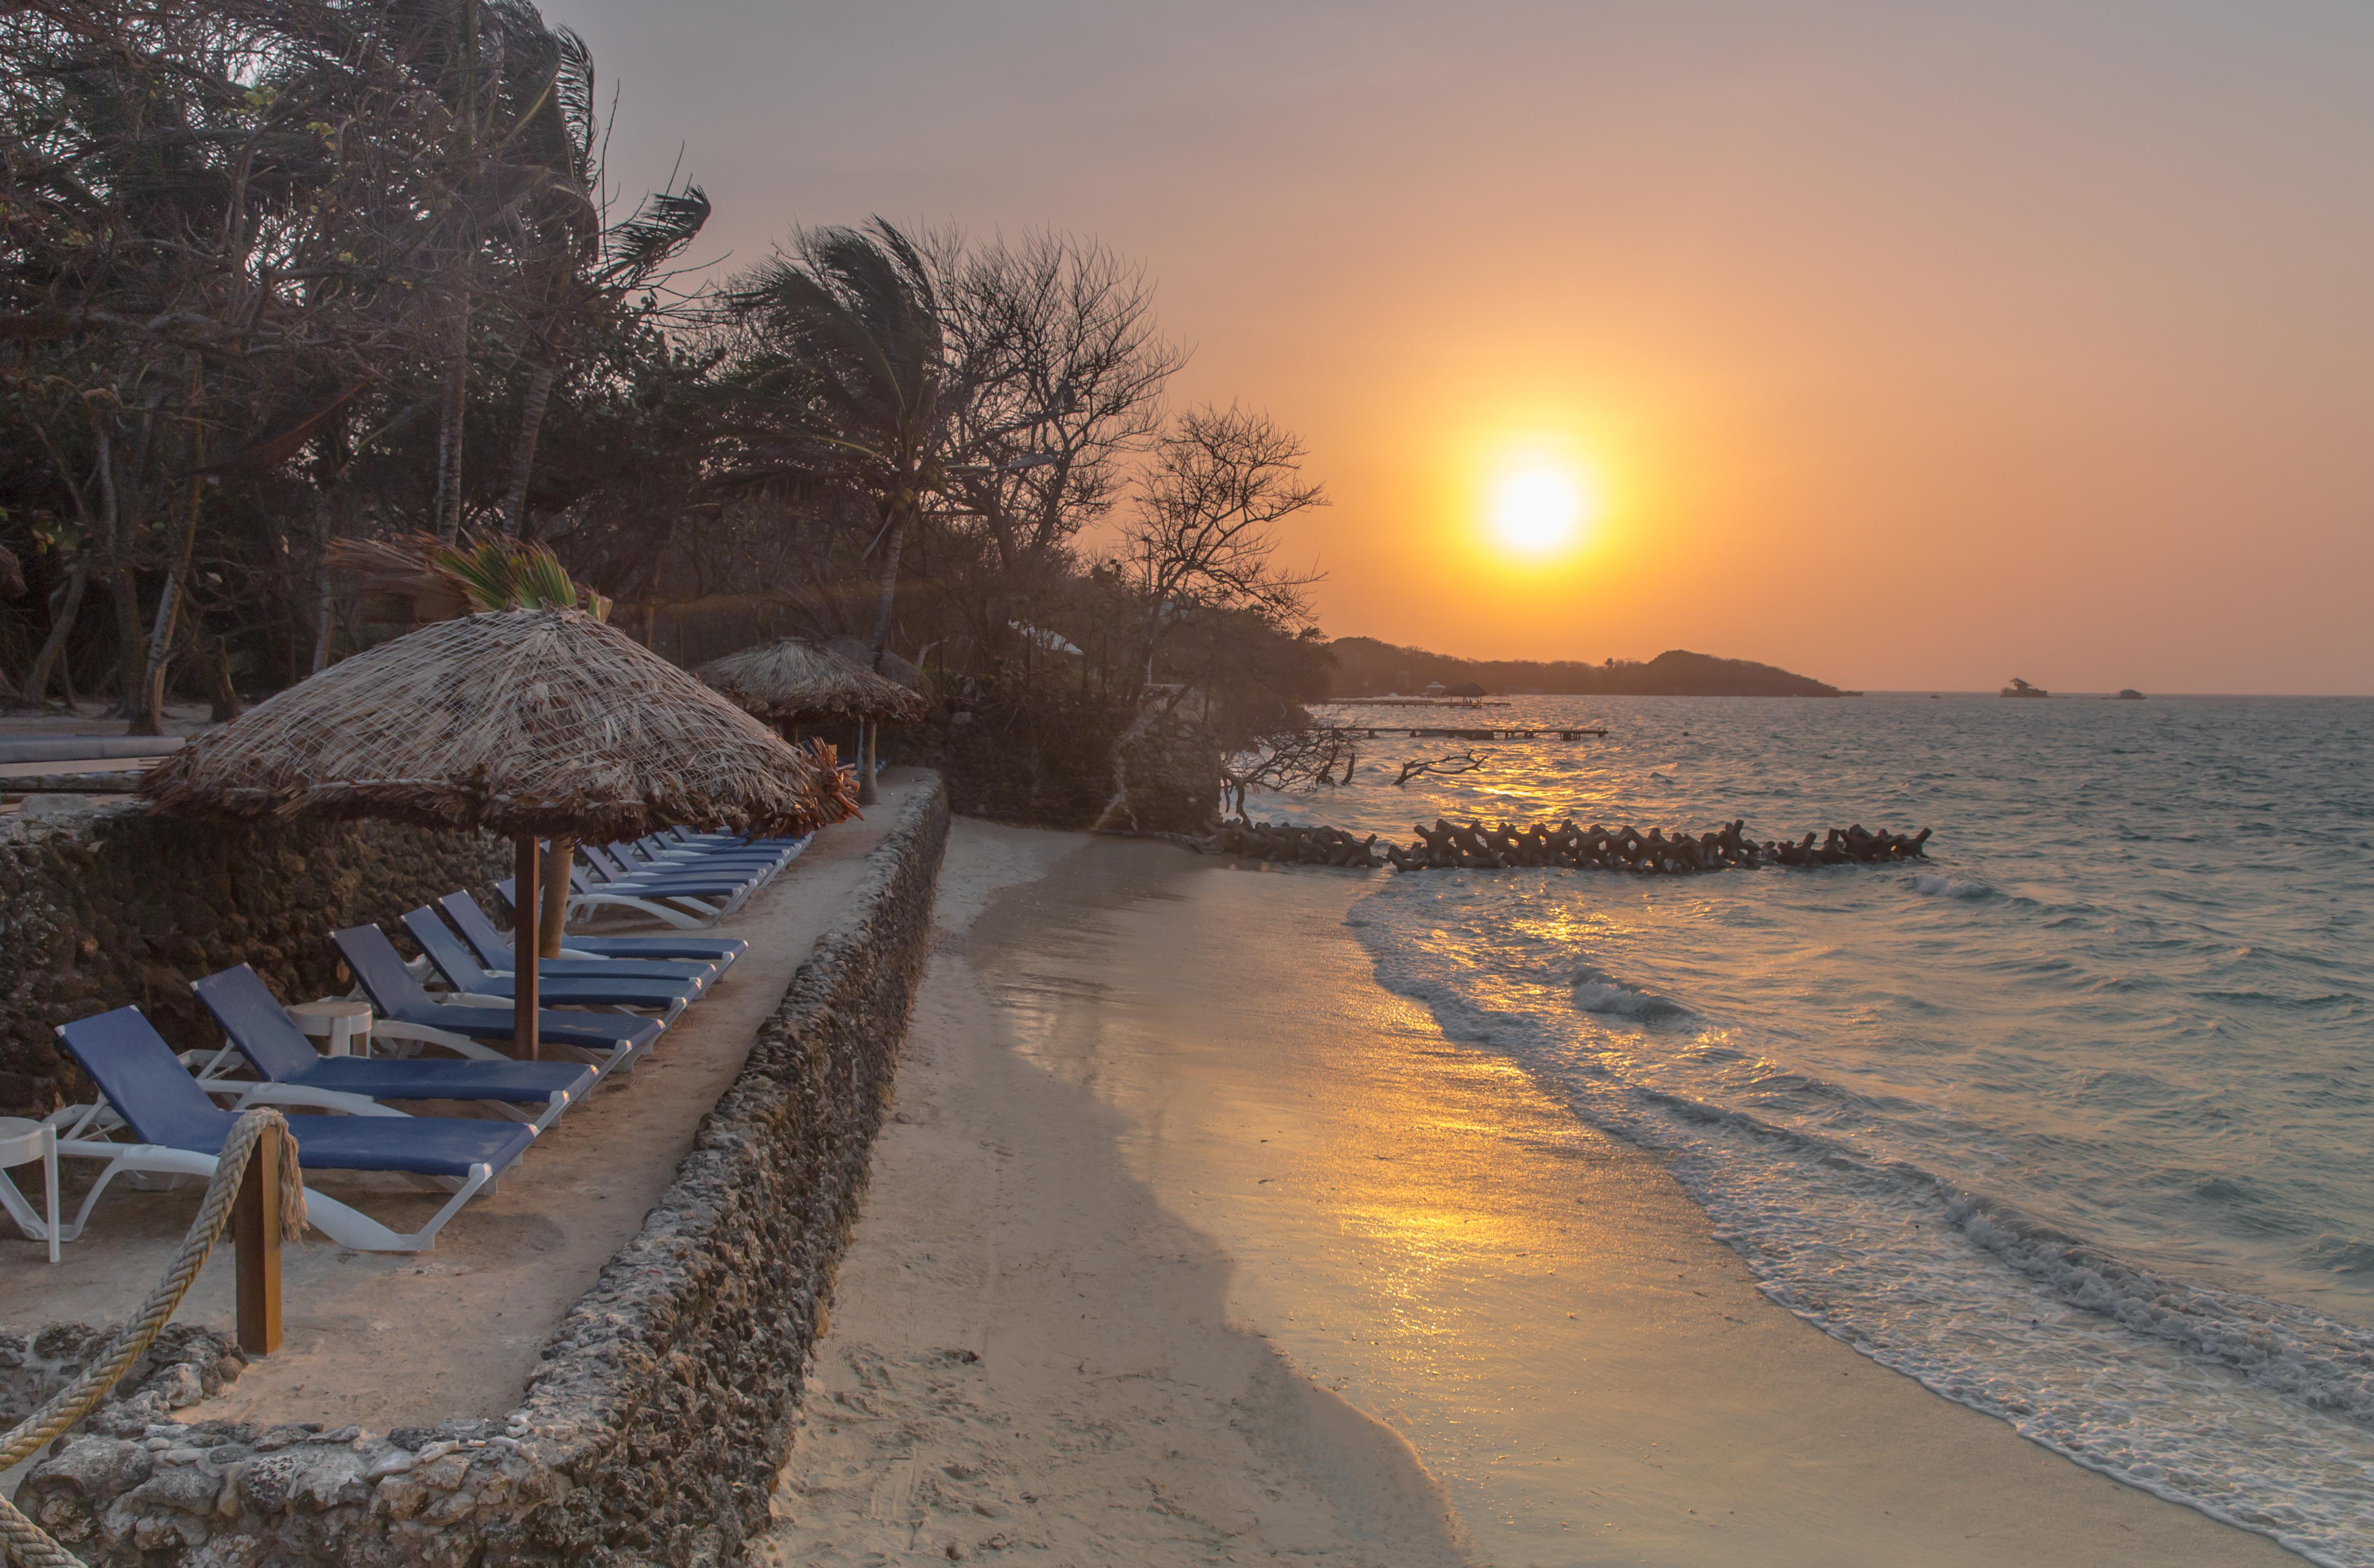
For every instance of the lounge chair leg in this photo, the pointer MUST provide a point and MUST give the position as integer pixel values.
(256, 1219)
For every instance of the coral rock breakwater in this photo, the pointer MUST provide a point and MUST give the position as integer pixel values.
(1477, 846)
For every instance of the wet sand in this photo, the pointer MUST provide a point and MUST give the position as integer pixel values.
(1191, 1243)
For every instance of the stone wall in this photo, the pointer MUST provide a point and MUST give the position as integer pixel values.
(108, 905)
(653, 1430)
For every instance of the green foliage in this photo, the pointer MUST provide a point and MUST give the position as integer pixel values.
(498, 574)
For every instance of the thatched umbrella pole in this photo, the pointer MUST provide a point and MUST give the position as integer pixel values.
(527, 862)
(554, 918)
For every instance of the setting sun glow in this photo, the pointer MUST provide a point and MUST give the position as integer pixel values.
(1537, 509)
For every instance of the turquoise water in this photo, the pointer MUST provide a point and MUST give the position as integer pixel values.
(2076, 1123)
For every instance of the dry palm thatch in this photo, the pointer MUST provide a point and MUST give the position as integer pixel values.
(520, 722)
(859, 652)
(798, 683)
(381, 566)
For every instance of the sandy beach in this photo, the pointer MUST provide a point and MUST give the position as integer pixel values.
(1191, 1243)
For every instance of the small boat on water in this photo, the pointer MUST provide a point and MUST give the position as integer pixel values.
(2020, 688)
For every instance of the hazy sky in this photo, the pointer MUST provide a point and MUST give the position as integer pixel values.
(1910, 345)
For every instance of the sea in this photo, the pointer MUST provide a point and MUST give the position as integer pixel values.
(2072, 1121)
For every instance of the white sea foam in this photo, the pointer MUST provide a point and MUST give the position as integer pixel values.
(1949, 887)
(2253, 1411)
(1597, 992)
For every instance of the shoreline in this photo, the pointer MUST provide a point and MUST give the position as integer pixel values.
(1558, 1350)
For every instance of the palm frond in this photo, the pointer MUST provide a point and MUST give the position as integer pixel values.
(661, 227)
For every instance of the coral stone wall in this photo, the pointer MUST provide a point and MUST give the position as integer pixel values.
(109, 905)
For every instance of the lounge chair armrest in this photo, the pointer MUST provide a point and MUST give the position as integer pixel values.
(86, 1119)
(427, 1034)
(302, 1094)
(474, 1000)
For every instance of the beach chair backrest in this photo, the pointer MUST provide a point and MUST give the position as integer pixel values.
(378, 968)
(611, 870)
(257, 1023)
(144, 1082)
(445, 951)
(481, 933)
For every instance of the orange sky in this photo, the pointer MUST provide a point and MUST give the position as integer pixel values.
(1912, 344)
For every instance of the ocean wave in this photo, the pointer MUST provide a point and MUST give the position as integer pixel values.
(2094, 1355)
(1598, 993)
(1938, 887)
(2324, 1364)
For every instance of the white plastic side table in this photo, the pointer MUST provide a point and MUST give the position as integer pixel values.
(21, 1143)
(343, 1020)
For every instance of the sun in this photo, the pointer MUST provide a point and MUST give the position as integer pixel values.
(1538, 508)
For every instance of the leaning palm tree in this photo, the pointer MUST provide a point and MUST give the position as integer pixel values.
(842, 382)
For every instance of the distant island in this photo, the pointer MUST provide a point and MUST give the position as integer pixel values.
(1367, 667)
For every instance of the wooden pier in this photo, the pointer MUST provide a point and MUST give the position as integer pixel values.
(1375, 732)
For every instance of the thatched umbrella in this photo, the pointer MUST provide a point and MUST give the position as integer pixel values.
(795, 682)
(859, 652)
(523, 722)
(891, 668)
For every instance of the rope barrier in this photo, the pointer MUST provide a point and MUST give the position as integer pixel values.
(22, 1542)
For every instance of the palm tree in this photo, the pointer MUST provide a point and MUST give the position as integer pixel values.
(840, 384)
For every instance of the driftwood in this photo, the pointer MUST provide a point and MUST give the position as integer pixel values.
(1290, 759)
(1474, 845)
(1441, 766)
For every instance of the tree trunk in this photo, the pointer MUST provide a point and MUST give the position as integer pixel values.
(131, 654)
(214, 659)
(866, 795)
(177, 576)
(457, 360)
(451, 419)
(539, 393)
(150, 720)
(891, 546)
(36, 685)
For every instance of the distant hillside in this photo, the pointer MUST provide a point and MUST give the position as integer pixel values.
(1365, 667)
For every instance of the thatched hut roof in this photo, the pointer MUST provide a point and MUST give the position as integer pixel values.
(859, 652)
(795, 682)
(540, 721)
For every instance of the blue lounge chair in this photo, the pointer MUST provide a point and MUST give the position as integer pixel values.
(280, 1054)
(654, 853)
(675, 906)
(682, 974)
(181, 1133)
(491, 942)
(726, 881)
(405, 1011)
(468, 977)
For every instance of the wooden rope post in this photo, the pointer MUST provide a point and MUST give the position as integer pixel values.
(256, 1230)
